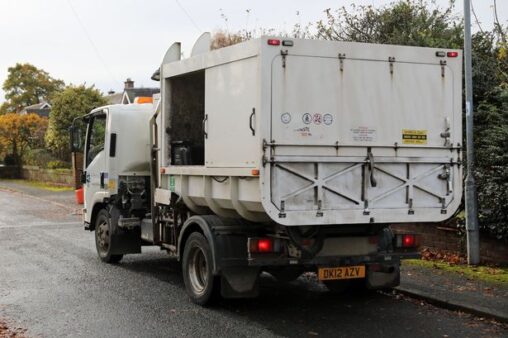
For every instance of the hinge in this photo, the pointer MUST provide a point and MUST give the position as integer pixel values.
(341, 60)
(282, 214)
(443, 67)
(391, 60)
(284, 53)
(366, 210)
(410, 210)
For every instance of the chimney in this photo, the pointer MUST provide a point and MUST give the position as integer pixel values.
(129, 84)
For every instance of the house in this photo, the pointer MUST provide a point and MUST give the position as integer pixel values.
(130, 93)
(42, 109)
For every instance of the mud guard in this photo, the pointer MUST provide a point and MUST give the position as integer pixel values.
(123, 241)
(229, 252)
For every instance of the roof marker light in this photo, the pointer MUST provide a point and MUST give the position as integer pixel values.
(452, 54)
(273, 42)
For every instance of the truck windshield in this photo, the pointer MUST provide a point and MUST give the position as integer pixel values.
(97, 131)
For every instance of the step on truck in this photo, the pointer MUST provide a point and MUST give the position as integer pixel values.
(281, 156)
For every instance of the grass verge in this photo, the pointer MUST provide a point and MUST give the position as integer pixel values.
(39, 185)
(485, 273)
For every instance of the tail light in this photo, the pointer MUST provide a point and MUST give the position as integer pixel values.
(264, 245)
(452, 54)
(406, 241)
(274, 42)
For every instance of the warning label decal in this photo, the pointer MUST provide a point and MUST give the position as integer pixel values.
(410, 136)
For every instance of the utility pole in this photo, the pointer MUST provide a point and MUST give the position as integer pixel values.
(473, 231)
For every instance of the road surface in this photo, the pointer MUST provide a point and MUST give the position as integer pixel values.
(53, 285)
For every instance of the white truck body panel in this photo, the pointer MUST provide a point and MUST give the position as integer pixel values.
(343, 133)
(132, 157)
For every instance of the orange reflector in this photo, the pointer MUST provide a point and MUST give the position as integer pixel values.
(255, 172)
(143, 99)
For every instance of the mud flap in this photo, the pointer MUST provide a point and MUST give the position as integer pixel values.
(123, 241)
(239, 282)
(383, 280)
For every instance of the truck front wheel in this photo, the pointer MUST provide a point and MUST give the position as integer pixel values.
(103, 234)
(200, 283)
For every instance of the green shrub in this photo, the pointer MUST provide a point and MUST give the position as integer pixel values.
(38, 157)
(57, 164)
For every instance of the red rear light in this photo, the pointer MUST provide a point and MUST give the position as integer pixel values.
(408, 241)
(265, 245)
(273, 42)
(452, 54)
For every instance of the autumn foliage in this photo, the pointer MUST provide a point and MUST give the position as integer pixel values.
(18, 133)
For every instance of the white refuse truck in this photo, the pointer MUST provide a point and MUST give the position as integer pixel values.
(279, 155)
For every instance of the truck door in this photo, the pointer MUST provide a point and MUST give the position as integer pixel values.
(364, 135)
(95, 158)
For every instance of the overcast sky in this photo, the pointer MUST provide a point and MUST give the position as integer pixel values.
(103, 42)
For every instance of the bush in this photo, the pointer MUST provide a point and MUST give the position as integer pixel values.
(10, 159)
(38, 157)
(57, 164)
(491, 171)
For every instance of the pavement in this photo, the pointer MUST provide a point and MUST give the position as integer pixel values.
(53, 285)
(456, 292)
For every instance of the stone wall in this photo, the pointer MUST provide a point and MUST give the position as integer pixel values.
(446, 237)
(54, 176)
(8, 171)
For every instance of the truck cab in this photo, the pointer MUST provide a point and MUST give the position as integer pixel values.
(116, 168)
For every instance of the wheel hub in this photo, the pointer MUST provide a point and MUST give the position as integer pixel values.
(198, 270)
(103, 235)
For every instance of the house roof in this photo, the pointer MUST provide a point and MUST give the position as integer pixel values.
(40, 112)
(42, 109)
(40, 105)
(132, 93)
(115, 98)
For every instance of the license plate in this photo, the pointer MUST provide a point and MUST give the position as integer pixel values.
(344, 272)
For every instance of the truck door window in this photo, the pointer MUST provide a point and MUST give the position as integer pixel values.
(97, 136)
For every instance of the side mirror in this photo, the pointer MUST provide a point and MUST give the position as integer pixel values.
(76, 139)
(83, 177)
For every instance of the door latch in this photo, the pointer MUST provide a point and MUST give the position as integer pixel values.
(370, 160)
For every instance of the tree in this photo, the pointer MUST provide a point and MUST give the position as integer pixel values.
(18, 133)
(72, 102)
(491, 142)
(26, 85)
(410, 22)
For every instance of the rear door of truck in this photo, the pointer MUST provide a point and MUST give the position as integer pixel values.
(359, 139)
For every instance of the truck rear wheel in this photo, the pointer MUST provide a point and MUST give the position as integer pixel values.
(200, 283)
(103, 232)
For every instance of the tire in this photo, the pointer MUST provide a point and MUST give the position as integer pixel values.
(103, 231)
(200, 283)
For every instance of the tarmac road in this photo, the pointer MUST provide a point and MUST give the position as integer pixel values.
(53, 285)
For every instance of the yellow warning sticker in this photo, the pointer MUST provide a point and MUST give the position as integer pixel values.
(411, 136)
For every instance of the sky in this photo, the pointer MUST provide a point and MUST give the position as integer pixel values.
(103, 42)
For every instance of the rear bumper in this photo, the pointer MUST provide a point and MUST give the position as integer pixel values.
(383, 259)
